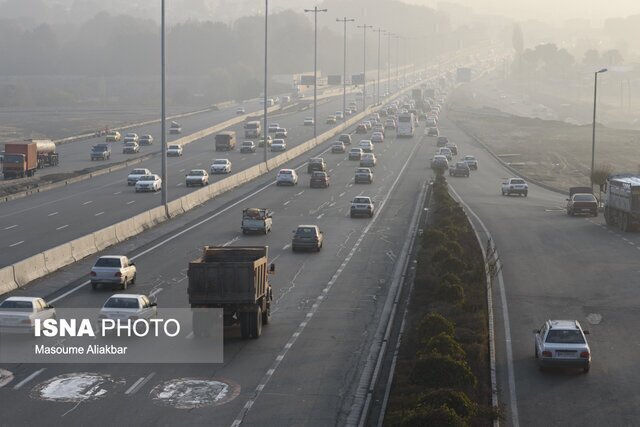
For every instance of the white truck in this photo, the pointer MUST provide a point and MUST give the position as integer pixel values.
(256, 220)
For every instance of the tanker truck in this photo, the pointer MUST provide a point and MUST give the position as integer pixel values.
(47, 154)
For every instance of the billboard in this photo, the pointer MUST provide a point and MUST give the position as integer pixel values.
(357, 79)
(306, 80)
(335, 80)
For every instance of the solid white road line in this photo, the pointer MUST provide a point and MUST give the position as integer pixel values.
(29, 378)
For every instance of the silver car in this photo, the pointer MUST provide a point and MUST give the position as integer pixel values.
(19, 314)
(562, 343)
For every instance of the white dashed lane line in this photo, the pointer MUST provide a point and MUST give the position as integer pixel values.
(53, 213)
(130, 202)
(139, 384)
(62, 227)
(16, 244)
(99, 213)
(11, 226)
(29, 378)
(87, 203)
(117, 192)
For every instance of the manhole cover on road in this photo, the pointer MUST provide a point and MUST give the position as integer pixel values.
(594, 318)
(76, 387)
(189, 393)
(5, 377)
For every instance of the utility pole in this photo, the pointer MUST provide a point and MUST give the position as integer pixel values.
(163, 115)
(397, 37)
(315, 11)
(389, 61)
(344, 68)
(266, 22)
(593, 134)
(364, 69)
(379, 31)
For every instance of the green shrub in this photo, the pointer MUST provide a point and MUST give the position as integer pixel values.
(456, 400)
(451, 264)
(433, 238)
(467, 336)
(441, 254)
(444, 345)
(427, 416)
(434, 324)
(451, 293)
(450, 278)
(439, 371)
(453, 247)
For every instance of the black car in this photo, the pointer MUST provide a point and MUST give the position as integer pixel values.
(442, 141)
(582, 204)
(316, 164)
(346, 138)
(460, 169)
(307, 237)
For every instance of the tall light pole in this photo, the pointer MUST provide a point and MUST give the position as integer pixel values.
(163, 115)
(266, 22)
(364, 66)
(344, 68)
(315, 11)
(389, 62)
(397, 37)
(593, 134)
(379, 31)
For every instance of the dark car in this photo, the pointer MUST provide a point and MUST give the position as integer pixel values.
(459, 169)
(319, 180)
(307, 237)
(582, 204)
(442, 141)
(316, 164)
(362, 128)
(346, 138)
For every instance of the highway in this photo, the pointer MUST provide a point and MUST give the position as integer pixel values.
(305, 367)
(78, 209)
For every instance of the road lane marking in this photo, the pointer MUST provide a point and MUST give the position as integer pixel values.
(62, 227)
(130, 202)
(87, 203)
(139, 384)
(11, 226)
(287, 202)
(232, 241)
(179, 184)
(285, 247)
(300, 193)
(182, 170)
(29, 378)
(53, 213)
(320, 216)
(342, 194)
(117, 192)
(99, 213)
(17, 243)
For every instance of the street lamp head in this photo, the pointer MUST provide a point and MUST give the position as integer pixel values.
(604, 70)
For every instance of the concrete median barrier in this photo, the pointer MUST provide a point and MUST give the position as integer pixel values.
(105, 238)
(58, 257)
(126, 229)
(29, 269)
(175, 208)
(157, 215)
(83, 247)
(7, 280)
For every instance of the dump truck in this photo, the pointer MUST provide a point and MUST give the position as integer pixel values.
(236, 280)
(20, 159)
(622, 200)
(225, 141)
(256, 220)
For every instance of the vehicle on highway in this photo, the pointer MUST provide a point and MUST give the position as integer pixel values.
(445, 152)
(197, 177)
(20, 159)
(113, 270)
(220, 166)
(432, 131)
(279, 145)
(460, 169)
(319, 180)
(174, 150)
(273, 127)
(515, 186)
(379, 129)
(316, 164)
(146, 140)
(363, 175)
(331, 120)
(406, 125)
(453, 147)
(431, 121)
(113, 136)
(361, 129)
(361, 206)
(151, 182)
(582, 203)
(346, 138)
(287, 177)
(175, 128)
(621, 206)
(339, 115)
(355, 153)
(307, 237)
(368, 160)
(130, 147)
(368, 125)
(19, 314)
(308, 121)
(128, 307)
(131, 137)
(439, 162)
(562, 344)
(234, 279)
(281, 133)
(136, 174)
(225, 141)
(377, 137)
(240, 111)
(252, 129)
(471, 161)
(442, 141)
(248, 147)
(338, 147)
(256, 220)
(1, 156)
(269, 141)
(101, 152)
(390, 124)
(366, 145)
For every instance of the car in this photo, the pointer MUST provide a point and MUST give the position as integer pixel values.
(278, 145)
(439, 162)
(366, 145)
(432, 131)
(113, 270)
(101, 152)
(471, 161)
(361, 129)
(281, 133)
(431, 121)
(146, 140)
(136, 174)
(361, 206)
(442, 141)
(459, 169)
(175, 128)
(339, 115)
(453, 147)
(220, 166)
(331, 120)
(319, 179)
(149, 183)
(131, 137)
(346, 138)
(307, 237)
(269, 141)
(240, 111)
(19, 314)
(348, 112)
(287, 176)
(308, 121)
(582, 203)
(338, 147)
(368, 125)
(197, 177)
(363, 175)
(174, 150)
(515, 186)
(256, 220)
(316, 164)
(368, 160)
(390, 124)
(113, 136)
(377, 137)
(379, 129)
(130, 147)
(445, 152)
(128, 307)
(273, 127)
(562, 344)
(248, 147)
(355, 153)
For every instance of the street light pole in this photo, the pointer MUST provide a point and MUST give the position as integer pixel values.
(397, 37)
(266, 22)
(379, 31)
(364, 69)
(389, 62)
(344, 68)
(315, 11)
(593, 133)
(163, 114)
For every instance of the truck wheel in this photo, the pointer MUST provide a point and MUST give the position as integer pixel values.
(624, 223)
(266, 316)
(133, 281)
(124, 284)
(256, 323)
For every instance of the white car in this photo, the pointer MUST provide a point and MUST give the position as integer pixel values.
(281, 133)
(18, 314)
(240, 111)
(278, 145)
(368, 160)
(136, 174)
(287, 177)
(220, 166)
(128, 307)
(197, 177)
(308, 121)
(174, 150)
(562, 343)
(131, 137)
(444, 151)
(366, 145)
(471, 161)
(273, 127)
(339, 115)
(149, 183)
(515, 186)
(362, 205)
(130, 147)
(377, 137)
(146, 140)
(113, 270)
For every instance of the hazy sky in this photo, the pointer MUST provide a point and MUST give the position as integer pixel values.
(556, 10)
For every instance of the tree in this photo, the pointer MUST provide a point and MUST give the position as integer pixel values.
(592, 58)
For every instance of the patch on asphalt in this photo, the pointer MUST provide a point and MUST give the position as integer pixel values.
(76, 387)
(5, 377)
(189, 393)
(594, 318)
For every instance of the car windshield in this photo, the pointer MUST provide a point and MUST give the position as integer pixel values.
(148, 178)
(584, 198)
(138, 172)
(565, 336)
(362, 171)
(306, 231)
(119, 302)
(174, 147)
(461, 165)
(356, 150)
(469, 158)
(319, 174)
(17, 305)
(145, 137)
(284, 173)
(517, 181)
(108, 262)
(196, 173)
(219, 162)
(361, 200)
